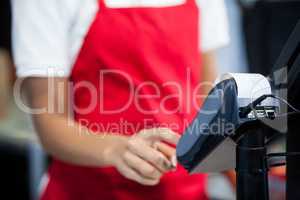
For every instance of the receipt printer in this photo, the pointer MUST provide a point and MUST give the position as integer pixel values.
(208, 144)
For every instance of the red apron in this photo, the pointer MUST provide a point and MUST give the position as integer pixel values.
(133, 45)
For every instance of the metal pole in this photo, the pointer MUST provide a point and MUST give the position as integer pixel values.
(252, 169)
(293, 162)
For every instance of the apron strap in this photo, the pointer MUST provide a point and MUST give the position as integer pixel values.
(102, 4)
(190, 2)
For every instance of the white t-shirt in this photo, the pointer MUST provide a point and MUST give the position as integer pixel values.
(49, 33)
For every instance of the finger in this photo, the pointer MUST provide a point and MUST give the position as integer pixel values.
(130, 174)
(165, 149)
(168, 151)
(156, 158)
(161, 134)
(141, 166)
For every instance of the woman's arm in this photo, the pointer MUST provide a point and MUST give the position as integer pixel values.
(134, 156)
(209, 70)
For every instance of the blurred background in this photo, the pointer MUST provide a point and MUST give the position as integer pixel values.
(258, 29)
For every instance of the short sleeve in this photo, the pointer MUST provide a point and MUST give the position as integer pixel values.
(40, 37)
(214, 28)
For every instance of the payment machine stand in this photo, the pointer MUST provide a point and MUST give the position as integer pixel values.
(245, 148)
(252, 160)
(252, 165)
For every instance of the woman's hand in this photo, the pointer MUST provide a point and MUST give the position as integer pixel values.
(139, 158)
(143, 157)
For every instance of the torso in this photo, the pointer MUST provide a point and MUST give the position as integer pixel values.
(141, 44)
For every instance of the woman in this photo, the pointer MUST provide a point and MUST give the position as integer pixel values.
(132, 70)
